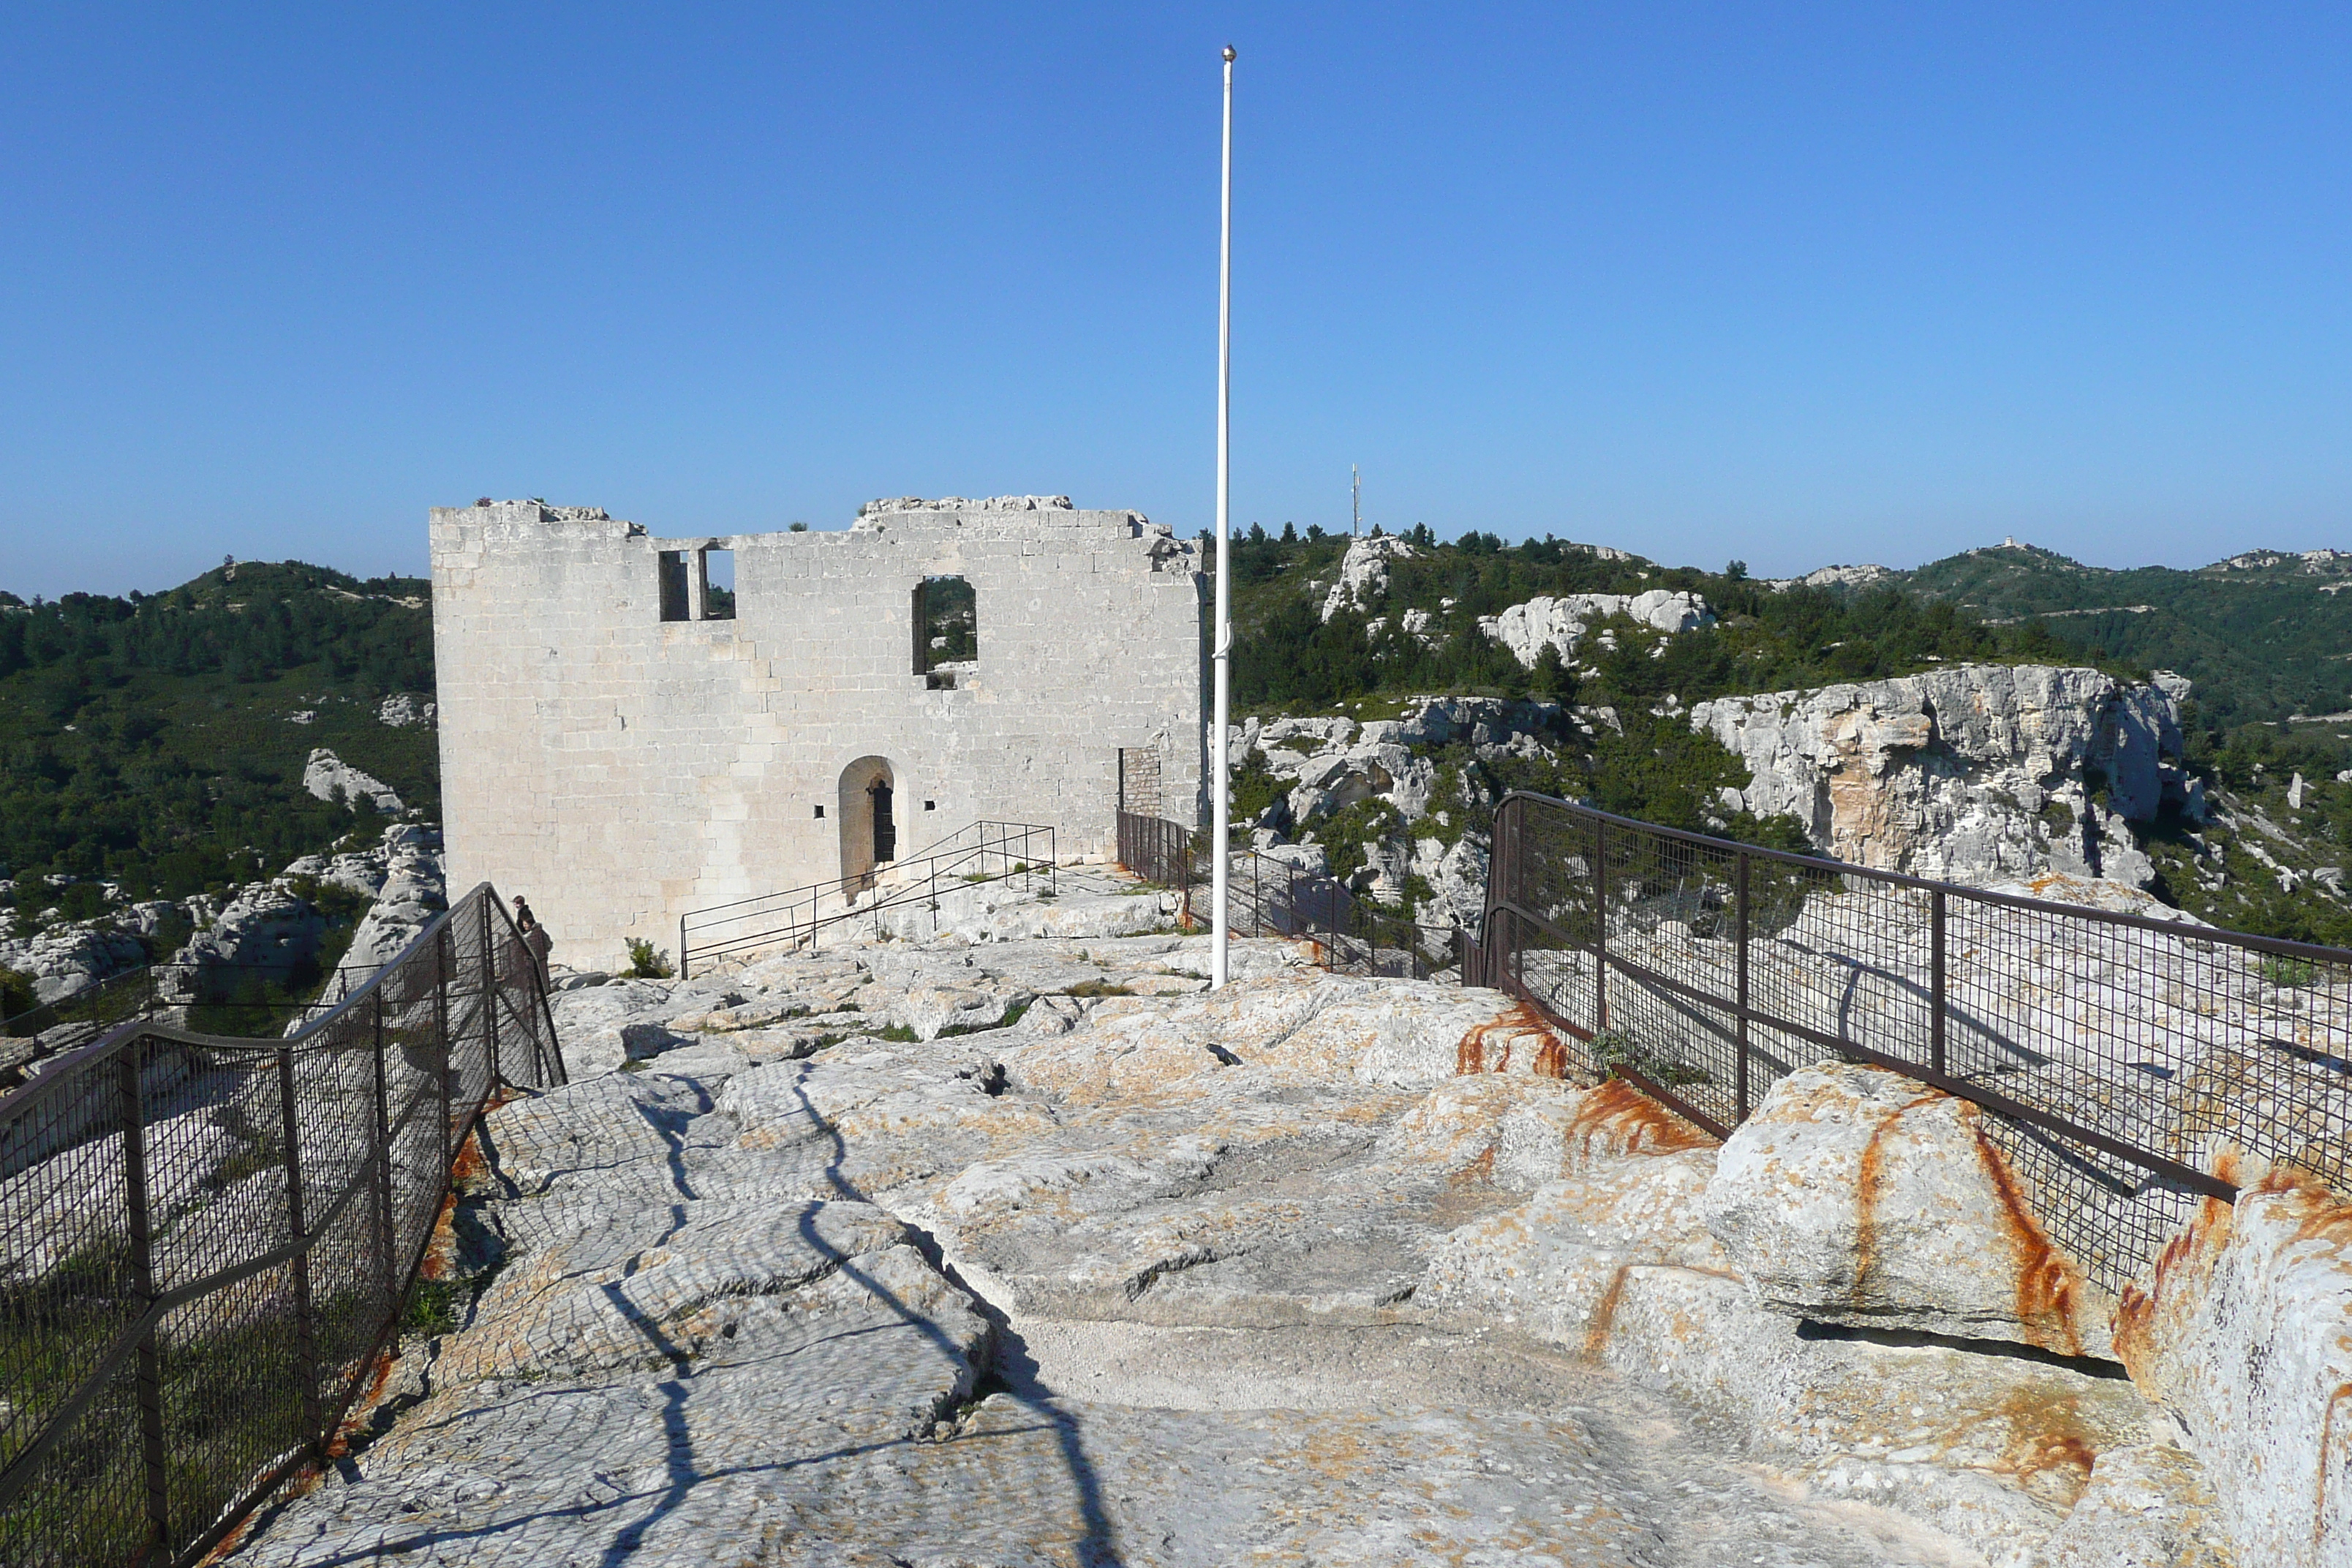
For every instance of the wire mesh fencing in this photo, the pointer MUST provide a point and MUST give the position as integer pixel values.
(206, 1241)
(2119, 1052)
(1272, 898)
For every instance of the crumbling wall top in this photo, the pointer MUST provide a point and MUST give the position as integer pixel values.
(962, 503)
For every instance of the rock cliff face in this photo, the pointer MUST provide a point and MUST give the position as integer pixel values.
(1974, 773)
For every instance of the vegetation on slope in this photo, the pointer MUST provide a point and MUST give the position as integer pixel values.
(151, 740)
(1286, 658)
(2267, 635)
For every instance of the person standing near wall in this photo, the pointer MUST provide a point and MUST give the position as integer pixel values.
(534, 937)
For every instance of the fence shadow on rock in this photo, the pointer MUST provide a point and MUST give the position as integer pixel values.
(1266, 897)
(2115, 1050)
(207, 1241)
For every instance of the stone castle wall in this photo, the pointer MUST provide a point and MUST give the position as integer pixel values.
(620, 769)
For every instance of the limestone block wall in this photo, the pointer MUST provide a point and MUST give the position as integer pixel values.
(620, 769)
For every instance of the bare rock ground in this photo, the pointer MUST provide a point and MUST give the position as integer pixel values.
(1315, 1270)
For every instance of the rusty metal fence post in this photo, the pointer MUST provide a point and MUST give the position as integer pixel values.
(143, 1287)
(489, 984)
(1740, 1085)
(1600, 925)
(443, 1053)
(1936, 1009)
(383, 1148)
(304, 1346)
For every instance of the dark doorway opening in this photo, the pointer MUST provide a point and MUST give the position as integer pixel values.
(886, 829)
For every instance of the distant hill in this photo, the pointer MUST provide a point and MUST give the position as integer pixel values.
(158, 741)
(2266, 635)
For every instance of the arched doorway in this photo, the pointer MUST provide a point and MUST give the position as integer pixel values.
(870, 820)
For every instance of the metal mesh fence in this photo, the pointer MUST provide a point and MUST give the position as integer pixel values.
(2118, 1051)
(1266, 897)
(206, 1241)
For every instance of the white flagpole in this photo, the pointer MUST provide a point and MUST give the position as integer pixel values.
(1222, 809)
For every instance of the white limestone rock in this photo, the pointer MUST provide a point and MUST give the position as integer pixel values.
(1948, 774)
(64, 959)
(329, 777)
(2148, 1506)
(1364, 573)
(265, 930)
(1559, 623)
(932, 1011)
(401, 709)
(591, 1022)
(1855, 1196)
(2243, 1329)
(414, 890)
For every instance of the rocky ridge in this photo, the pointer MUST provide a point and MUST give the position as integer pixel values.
(1316, 1267)
(269, 928)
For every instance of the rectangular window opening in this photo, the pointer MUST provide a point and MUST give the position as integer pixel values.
(947, 632)
(670, 567)
(718, 585)
(820, 811)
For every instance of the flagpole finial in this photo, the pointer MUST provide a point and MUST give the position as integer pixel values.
(1229, 54)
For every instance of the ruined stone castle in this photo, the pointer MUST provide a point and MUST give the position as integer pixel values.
(633, 727)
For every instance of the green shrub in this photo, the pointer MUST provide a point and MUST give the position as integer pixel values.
(647, 961)
(2282, 971)
(1614, 1048)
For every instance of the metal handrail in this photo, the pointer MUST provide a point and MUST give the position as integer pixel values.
(1268, 897)
(920, 874)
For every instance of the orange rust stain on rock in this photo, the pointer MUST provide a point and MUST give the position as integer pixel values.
(1870, 1181)
(2046, 1442)
(2189, 1252)
(2050, 1289)
(1604, 1314)
(1618, 1119)
(1552, 1060)
(1518, 1018)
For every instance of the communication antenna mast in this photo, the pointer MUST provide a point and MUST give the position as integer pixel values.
(1355, 502)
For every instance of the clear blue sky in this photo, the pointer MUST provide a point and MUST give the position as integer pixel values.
(1791, 284)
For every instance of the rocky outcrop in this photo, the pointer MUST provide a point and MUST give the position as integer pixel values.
(1330, 764)
(1364, 573)
(411, 889)
(329, 777)
(65, 959)
(1559, 623)
(1972, 773)
(1855, 1196)
(403, 710)
(1861, 576)
(2244, 1330)
(266, 931)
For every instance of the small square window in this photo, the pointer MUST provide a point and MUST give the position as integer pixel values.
(930, 805)
(820, 811)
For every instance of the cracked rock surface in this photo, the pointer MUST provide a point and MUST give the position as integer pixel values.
(1313, 1269)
